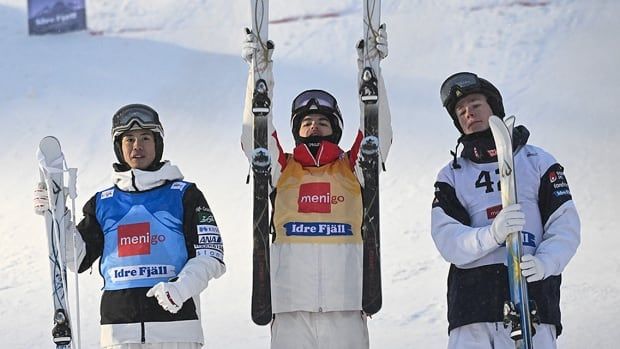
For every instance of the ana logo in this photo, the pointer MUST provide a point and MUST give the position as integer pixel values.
(317, 197)
(136, 239)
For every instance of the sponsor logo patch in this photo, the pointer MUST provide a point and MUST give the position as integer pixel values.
(317, 229)
(202, 209)
(137, 272)
(493, 211)
(202, 229)
(317, 198)
(529, 239)
(559, 193)
(136, 239)
(204, 239)
(205, 218)
(178, 185)
(553, 177)
(107, 194)
(210, 244)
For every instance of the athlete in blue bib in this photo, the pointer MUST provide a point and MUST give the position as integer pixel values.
(156, 239)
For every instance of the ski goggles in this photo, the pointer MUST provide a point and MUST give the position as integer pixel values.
(318, 99)
(458, 85)
(136, 118)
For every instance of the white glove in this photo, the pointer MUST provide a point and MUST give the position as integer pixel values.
(41, 200)
(250, 44)
(378, 47)
(532, 268)
(167, 295)
(508, 220)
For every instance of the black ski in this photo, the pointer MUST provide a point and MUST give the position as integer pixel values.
(261, 168)
(370, 163)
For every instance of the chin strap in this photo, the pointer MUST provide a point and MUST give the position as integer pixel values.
(455, 164)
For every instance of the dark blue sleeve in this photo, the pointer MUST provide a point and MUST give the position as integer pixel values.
(553, 191)
(445, 198)
(91, 233)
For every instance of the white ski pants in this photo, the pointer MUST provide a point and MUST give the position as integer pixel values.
(493, 335)
(326, 330)
(155, 346)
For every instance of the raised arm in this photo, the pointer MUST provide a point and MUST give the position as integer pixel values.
(377, 48)
(261, 69)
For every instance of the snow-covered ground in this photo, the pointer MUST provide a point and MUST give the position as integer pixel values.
(555, 62)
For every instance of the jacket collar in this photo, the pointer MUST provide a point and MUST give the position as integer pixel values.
(328, 152)
(480, 147)
(140, 180)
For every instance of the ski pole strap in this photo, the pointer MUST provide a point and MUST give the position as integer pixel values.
(52, 168)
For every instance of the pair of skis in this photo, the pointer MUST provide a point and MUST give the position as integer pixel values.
(261, 165)
(518, 311)
(52, 167)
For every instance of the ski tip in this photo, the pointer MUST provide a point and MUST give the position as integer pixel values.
(498, 127)
(495, 121)
(510, 122)
(49, 147)
(49, 140)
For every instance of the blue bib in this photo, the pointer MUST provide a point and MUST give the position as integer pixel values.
(143, 235)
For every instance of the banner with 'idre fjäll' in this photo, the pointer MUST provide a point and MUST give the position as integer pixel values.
(55, 16)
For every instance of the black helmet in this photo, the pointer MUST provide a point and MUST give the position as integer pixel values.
(462, 84)
(316, 102)
(137, 116)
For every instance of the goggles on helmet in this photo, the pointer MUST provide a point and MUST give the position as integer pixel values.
(316, 99)
(458, 85)
(136, 117)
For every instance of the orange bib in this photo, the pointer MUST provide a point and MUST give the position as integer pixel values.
(318, 204)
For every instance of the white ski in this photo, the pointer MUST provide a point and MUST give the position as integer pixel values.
(51, 170)
(517, 310)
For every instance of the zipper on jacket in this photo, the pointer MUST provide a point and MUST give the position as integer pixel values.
(133, 181)
(316, 159)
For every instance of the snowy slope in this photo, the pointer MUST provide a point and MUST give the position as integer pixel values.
(554, 61)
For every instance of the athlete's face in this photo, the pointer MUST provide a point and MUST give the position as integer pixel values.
(138, 148)
(315, 125)
(473, 112)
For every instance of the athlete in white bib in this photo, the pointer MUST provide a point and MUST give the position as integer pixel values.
(469, 226)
